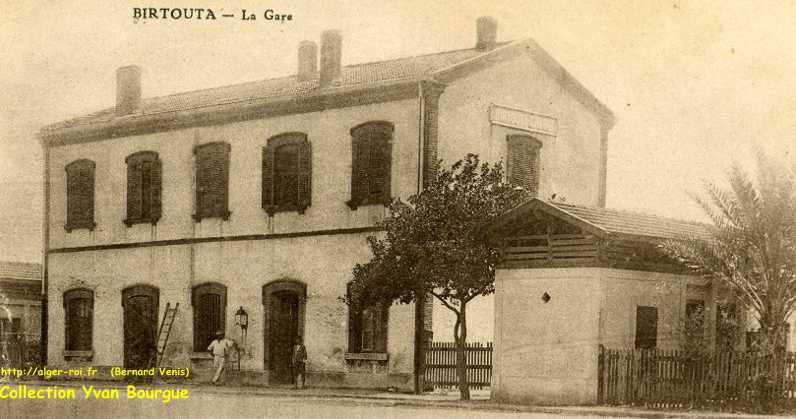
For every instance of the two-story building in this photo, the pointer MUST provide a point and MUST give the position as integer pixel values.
(259, 197)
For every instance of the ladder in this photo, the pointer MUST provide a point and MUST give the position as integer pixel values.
(163, 333)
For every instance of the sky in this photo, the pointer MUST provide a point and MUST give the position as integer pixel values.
(695, 86)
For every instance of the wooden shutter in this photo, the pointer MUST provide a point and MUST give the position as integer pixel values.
(646, 327)
(133, 191)
(523, 162)
(382, 321)
(371, 166)
(354, 326)
(80, 195)
(268, 177)
(304, 176)
(79, 310)
(156, 189)
(212, 180)
(144, 185)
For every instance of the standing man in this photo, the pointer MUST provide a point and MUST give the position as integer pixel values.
(219, 348)
(298, 360)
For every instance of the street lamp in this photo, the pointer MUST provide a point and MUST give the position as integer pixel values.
(242, 319)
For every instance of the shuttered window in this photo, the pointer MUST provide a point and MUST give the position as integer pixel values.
(523, 162)
(79, 310)
(209, 313)
(646, 327)
(371, 163)
(367, 329)
(80, 195)
(212, 181)
(144, 182)
(287, 173)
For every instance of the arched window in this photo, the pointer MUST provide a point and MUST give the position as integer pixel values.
(287, 173)
(143, 188)
(212, 180)
(209, 302)
(80, 195)
(523, 162)
(79, 318)
(367, 328)
(371, 163)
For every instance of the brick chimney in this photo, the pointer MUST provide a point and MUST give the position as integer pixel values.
(486, 27)
(307, 61)
(331, 56)
(128, 89)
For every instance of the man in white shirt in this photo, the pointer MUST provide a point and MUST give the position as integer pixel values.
(219, 348)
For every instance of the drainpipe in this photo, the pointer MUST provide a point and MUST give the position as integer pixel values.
(45, 255)
(419, 353)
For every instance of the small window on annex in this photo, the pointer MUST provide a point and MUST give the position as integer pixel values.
(646, 327)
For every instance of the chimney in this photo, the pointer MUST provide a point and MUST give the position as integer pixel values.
(128, 89)
(331, 53)
(487, 33)
(307, 61)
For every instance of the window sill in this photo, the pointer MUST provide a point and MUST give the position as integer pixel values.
(367, 356)
(356, 203)
(273, 209)
(225, 216)
(130, 222)
(82, 355)
(78, 226)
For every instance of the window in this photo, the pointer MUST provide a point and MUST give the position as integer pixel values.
(287, 173)
(212, 180)
(646, 327)
(79, 310)
(143, 188)
(523, 162)
(367, 329)
(209, 313)
(80, 195)
(371, 164)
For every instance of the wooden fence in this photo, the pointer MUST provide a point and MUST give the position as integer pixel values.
(18, 350)
(441, 364)
(669, 379)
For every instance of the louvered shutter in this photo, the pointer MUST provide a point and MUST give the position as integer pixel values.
(385, 169)
(523, 162)
(212, 180)
(156, 186)
(268, 177)
(359, 166)
(80, 195)
(304, 176)
(381, 328)
(133, 191)
(354, 326)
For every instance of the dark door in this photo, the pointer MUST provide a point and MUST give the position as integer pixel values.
(140, 325)
(283, 331)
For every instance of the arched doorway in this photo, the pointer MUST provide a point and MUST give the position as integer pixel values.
(140, 303)
(283, 308)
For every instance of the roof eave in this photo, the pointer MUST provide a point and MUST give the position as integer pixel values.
(319, 100)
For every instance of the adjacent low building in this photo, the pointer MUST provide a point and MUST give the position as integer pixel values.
(20, 311)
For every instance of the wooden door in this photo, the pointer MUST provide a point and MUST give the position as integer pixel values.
(283, 331)
(140, 325)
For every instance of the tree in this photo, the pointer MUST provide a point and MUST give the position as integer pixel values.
(753, 245)
(433, 245)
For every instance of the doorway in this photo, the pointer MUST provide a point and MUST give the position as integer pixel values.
(283, 303)
(140, 303)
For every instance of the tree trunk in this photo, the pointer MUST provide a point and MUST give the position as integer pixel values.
(460, 337)
(773, 331)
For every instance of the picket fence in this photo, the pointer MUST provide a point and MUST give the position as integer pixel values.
(441, 365)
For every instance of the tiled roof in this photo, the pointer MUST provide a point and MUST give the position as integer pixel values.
(20, 270)
(636, 224)
(402, 69)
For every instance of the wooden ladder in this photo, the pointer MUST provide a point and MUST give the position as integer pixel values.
(163, 333)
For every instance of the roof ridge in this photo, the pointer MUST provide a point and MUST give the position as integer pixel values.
(409, 57)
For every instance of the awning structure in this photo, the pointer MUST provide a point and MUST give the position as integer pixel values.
(550, 234)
